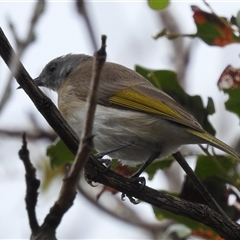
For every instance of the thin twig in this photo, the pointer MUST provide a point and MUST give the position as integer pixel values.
(198, 184)
(32, 185)
(83, 11)
(86, 144)
(181, 51)
(35, 134)
(21, 47)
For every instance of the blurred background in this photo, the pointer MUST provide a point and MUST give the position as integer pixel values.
(130, 27)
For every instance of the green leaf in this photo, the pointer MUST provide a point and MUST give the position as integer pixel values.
(167, 81)
(233, 102)
(158, 164)
(220, 166)
(229, 83)
(158, 4)
(59, 154)
(49, 174)
(210, 106)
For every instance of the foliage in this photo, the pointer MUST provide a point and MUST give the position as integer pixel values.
(214, 30)
(215, 172)
(158, 5)
(59, 154)
(229, 82)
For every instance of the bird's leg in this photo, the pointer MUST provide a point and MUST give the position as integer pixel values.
(119, 147)
(152, 157)
(136, 177)
(88, 178)
(107, 162)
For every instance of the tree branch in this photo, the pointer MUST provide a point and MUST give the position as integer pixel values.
(86, 143)
(34, 135)
(181, 48)
(32, 185)
(198, 212)
(81, 8)
(21, 47)
(199, 185)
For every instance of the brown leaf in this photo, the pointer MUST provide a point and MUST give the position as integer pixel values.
(206, 234)
(213, 29)
(230, 78)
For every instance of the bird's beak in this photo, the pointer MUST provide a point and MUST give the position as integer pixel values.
(37, 80)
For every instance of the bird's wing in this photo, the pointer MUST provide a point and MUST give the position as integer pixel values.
(126, 88)
(146, 98)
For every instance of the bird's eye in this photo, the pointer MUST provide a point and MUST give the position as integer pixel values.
(52, 68)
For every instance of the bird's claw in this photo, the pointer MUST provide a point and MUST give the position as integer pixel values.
(131, 199)
(106, 163)
(89, 179)
(142, 182)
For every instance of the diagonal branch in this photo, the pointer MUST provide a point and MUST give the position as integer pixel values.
(81, 8)
(44, 105)
(200, 187)
(86, 143)
(69, 187)
(195, 211)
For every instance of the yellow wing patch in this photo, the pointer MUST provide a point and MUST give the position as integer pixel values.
(136, 101)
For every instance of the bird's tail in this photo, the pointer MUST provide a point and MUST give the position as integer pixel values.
(215, 142)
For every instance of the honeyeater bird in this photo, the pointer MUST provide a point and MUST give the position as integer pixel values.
(130, 111)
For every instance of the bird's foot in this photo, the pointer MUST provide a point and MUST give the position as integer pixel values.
(135, 179)
(89, 179)
(131, 198)
(106, 163)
